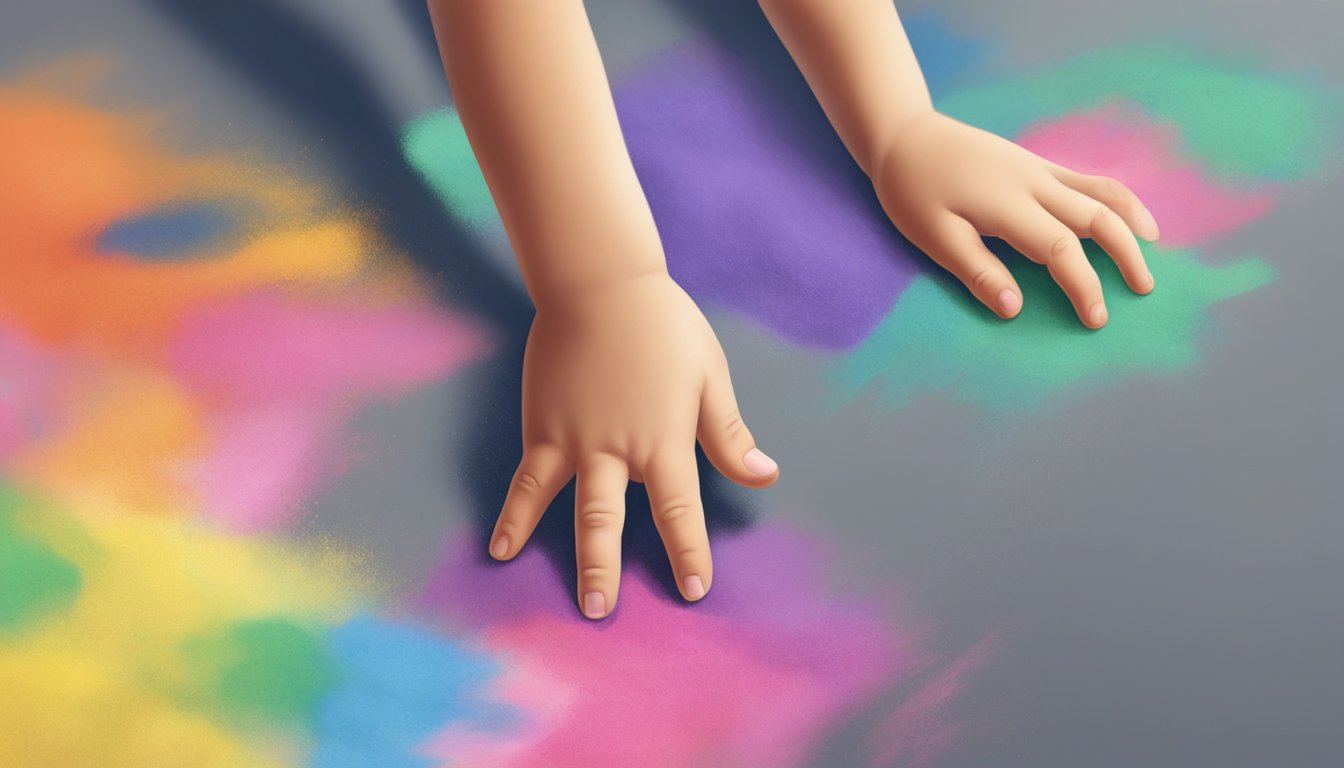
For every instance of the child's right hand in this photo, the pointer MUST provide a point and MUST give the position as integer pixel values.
(619, 381)
(945, 183)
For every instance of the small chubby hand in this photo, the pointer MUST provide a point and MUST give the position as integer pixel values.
(619, 381)
(945, 183)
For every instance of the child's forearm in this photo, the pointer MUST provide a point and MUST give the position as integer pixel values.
(856, 58)
(529, 84)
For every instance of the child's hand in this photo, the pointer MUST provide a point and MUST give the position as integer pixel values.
(619, 380)
(944, 183)
(622, 373)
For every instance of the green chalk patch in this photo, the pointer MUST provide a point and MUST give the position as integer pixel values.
(1241, 122)
(272, 669)
(35, 580)
(937, 337)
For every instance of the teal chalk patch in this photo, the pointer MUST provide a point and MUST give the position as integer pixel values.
(436, 145)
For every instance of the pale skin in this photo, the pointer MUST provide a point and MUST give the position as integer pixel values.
(622, 373)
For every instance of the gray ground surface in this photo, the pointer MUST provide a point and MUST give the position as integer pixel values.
(1165, 554)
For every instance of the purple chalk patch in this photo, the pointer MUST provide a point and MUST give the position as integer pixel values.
(760, 208)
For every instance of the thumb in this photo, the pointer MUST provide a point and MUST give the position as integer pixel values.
(726, 439)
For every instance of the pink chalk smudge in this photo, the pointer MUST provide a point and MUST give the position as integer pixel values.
(280, 376)
(756, 675)
(268, 347)
(1119, 140)
(299, 445)
(35, 387)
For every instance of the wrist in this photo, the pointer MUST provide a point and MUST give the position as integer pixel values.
(891, 140)
(578, 291)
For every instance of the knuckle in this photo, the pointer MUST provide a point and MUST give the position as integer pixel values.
(1099, 217)
(1112, 188)
(591, 573)
(733, 426)
(598, 517)
(675, 509)
(982, 279)
(1062, 245)
(685, 553)
(526, 482)
(599, 459)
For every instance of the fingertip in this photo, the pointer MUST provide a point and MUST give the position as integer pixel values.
(1097, 315)
(693, 588)
(765, 482)
(1148, 228)
(594, 605)
(1009, 304)
(1141, 283)
(499, 549)
(758, 463)
(761, 470)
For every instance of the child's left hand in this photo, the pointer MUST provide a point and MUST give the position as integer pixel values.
(945, 183)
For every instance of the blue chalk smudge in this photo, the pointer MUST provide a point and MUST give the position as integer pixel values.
(169, 232)
(399, 686)
(945, 59)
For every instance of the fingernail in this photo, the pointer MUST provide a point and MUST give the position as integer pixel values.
(758, 463)
(1009, 302)
(1149, 225)
(1151, 281)
(500, 548)
(1097, 317)
(594, 605)
(695, 588)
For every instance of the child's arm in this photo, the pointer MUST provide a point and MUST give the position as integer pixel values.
(944, 183)
(622, 373)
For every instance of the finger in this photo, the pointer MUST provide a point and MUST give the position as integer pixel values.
(957, 247)
(726, 440)
(599, 516)
(1045, 240)
(674, 495)
(541, 474)
(1113, 195)
(1090, 218)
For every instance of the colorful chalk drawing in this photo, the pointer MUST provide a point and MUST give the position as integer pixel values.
(227, 375)
(185, 342)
